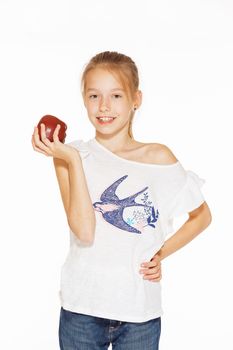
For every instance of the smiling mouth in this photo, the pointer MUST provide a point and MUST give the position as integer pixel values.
(105, 117)
(102, 120)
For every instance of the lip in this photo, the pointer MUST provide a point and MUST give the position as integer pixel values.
(105, 122)
(105, 116)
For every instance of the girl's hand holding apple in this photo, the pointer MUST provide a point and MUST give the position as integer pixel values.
(56, 148)
(50, 123)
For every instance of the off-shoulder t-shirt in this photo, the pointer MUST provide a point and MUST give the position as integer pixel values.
(134, 204)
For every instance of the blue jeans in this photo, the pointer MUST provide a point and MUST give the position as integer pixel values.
(84, 332)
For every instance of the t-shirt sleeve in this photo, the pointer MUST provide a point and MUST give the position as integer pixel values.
(81, 146)
(189, 197)
(186, 196)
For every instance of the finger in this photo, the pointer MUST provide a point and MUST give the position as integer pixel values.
(38, 143)
(153, 276)
(43, 135)
(56, 132)
(152, 271)
(151, 264)
(38, 149)
(35, 131)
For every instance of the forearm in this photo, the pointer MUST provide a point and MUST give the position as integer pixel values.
(186, 233)
(81, 216)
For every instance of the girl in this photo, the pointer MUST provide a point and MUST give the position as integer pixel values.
(120, 196)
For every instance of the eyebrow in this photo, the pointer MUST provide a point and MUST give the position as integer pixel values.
(111, 90)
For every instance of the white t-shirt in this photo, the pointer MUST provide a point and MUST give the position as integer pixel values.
(135, 204)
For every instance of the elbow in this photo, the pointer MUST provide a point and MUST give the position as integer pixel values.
(208, 215)
(86, 237)
(84, 233)
(209, 218)
(203, 213)
(206, 220)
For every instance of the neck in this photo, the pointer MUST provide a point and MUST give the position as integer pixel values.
(114, 142)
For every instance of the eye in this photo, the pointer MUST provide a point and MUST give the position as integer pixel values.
(92, 95)
(117, 95)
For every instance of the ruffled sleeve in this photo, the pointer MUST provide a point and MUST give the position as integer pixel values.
(81, 146)
(187, 198)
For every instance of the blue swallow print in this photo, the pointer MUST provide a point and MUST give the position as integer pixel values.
(113, 209)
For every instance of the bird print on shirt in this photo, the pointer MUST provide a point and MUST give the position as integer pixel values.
(113, 209)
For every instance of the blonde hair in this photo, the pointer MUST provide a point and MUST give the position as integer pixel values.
(122, 67)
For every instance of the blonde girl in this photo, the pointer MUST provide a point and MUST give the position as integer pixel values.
(120, 196)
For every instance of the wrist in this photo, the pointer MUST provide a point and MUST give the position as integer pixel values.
(161, 253)
(73, 158)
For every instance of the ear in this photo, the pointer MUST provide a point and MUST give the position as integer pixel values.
(138, 98)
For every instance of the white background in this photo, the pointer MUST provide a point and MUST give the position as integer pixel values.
(184, 53)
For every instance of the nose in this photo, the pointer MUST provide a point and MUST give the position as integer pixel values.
(104, 105)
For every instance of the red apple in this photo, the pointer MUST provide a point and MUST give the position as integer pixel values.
(50, 123)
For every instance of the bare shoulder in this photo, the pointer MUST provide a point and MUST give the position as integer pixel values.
(160, 154)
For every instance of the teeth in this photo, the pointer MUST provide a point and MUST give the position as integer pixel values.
(105, 119)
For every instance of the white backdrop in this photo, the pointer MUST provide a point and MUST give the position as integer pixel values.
(184, 53)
